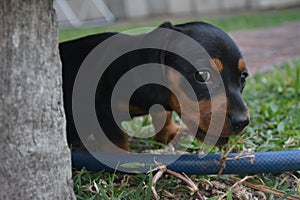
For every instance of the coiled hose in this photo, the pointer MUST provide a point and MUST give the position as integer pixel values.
(263, 162)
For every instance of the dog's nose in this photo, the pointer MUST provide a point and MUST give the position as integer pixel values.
(239, 122)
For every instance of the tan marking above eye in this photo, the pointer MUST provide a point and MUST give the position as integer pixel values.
(241, 65)
(218, 64)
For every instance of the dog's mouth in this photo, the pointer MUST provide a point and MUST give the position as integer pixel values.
(211, 139)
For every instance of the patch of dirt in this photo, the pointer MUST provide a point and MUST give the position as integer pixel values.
(266, 47)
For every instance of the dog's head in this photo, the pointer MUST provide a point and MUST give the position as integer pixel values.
(226, 60)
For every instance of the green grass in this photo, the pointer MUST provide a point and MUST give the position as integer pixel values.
(227, 23)
(273, 99)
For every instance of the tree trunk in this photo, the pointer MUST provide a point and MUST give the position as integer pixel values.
(34, 157)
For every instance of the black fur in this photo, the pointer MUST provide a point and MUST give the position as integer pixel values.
(216, 42)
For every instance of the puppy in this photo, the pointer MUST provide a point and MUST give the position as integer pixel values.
(225, 60)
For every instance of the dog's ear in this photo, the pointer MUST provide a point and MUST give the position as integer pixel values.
(165, 39)
(160, 35)
(160, 38)
(167, 25)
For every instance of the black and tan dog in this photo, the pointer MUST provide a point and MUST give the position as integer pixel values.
(228, 62)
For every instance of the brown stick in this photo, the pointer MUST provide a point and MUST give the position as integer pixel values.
(266, 189)
(163, 169)
(187, 180)
(224, 158)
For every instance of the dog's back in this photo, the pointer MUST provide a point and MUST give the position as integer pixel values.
(72, 54)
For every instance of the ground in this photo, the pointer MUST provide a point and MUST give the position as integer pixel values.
(266, 47)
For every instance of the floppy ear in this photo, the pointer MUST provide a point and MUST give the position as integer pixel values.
(166, 43)
(159, 36)
(166, 57)
(159, 39)
(167, 25)
(163, 41)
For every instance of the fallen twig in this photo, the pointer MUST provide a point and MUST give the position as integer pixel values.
(266, 189)
(156, 177)
(192, 187)
(224, 157)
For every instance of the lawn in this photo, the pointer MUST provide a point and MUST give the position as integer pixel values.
(273, 100)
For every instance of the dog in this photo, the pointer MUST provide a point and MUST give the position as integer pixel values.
(226, 59)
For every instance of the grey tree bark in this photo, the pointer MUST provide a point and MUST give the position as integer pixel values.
(34, 157)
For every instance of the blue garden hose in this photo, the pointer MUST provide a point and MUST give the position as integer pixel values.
(263, 162)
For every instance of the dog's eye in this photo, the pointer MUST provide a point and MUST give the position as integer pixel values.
(243, 79)
(245, 74)
(202, 76)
